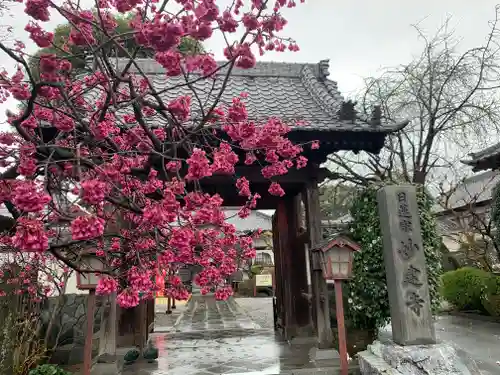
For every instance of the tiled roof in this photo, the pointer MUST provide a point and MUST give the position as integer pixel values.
(474, 190)
(338, 222)
(344, 221)
(290, 91)
(485, 159)
(255, 221)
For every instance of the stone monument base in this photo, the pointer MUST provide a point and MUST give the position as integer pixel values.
(392, 359)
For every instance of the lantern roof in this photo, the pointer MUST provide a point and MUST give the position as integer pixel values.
(340, 239)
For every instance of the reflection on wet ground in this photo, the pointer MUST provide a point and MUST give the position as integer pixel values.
(220, 338)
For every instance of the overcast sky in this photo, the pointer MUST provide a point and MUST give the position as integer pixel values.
(358, 36)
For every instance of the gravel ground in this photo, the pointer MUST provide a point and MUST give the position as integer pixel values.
(260, 310)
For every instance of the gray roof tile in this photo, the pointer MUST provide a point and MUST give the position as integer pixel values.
(290, 91)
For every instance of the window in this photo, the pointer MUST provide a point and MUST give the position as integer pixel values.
(263, 259)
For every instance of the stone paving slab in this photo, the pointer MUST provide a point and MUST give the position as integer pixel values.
(260, 354)
(207, 339)
(204, 313)
(212, 338)
(260, 310)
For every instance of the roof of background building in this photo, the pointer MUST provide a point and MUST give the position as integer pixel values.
(256, 220)
(473, 190)
(489, 158)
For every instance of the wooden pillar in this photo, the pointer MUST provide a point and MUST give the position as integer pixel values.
(298, 266)
(319, 286)
(143, 325)
(107, 342)
(278, 284)
(282, 215)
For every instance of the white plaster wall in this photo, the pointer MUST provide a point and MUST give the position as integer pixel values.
(70, 287)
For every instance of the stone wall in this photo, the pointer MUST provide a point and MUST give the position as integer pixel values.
(69, 325)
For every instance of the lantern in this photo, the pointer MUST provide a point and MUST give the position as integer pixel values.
(336, 257)
(89, 261)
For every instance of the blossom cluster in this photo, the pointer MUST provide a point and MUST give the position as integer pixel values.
(101, 162)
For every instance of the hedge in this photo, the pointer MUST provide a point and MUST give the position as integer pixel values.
(464, 288)
(491, 296)
(368, 302)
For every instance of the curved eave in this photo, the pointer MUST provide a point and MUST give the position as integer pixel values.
(349, 127)
(399, 126)
(470, 163)
(482, 164)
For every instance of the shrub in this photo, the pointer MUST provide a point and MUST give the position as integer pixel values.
(463, 288)
(48, 369)
(20, 347)
(491, 296)
(368, 301)
(256, 269)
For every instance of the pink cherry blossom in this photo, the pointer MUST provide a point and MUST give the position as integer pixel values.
(120, 161)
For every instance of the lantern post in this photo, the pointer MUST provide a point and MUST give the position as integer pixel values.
(88, 281)
(336, 259)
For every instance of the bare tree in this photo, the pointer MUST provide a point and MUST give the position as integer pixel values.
(451, 99)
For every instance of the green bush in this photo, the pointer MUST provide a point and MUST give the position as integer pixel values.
(48, 369)
(464, 288)
(256, 269)
(368, 301)
(491, 296)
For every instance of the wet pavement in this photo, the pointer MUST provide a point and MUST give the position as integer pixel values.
(477, 339)
(206, 337)
(260, 310)
(212, 338)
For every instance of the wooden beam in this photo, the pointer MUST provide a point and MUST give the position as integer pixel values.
(254, 175)
(230, 195)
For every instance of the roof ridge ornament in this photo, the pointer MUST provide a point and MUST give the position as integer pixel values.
(376, 119)
(324, 66)
(347, 111)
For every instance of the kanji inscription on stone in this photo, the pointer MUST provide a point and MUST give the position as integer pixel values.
(404, 258)
(412, 276)
(407, 249)
(414, 302)
(405, 225)
(403, 206)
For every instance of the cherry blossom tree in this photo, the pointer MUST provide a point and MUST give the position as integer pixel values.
(104, 162)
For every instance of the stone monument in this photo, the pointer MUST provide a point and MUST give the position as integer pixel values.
(413, 348)
(407, 285)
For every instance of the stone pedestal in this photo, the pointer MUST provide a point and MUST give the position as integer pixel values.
(393, 359)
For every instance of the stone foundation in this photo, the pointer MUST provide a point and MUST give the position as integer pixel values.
(392, 359)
